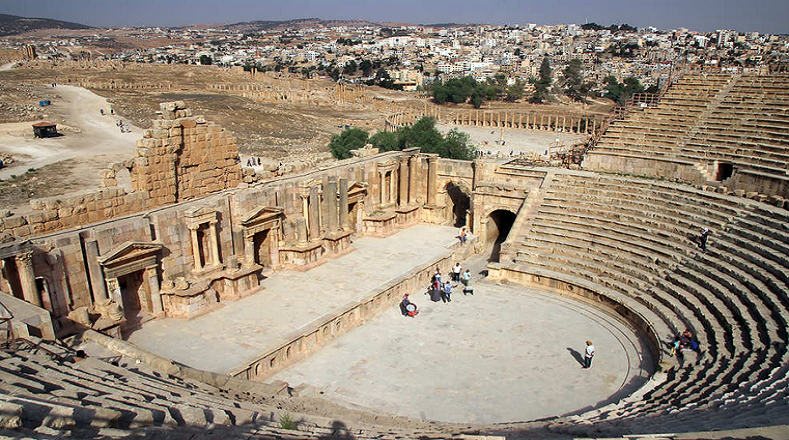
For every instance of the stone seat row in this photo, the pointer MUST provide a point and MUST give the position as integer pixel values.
(711, 146)
(729, 294)
(725, 321)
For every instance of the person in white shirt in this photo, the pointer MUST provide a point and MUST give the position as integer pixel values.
(456, 269)
(589, 355)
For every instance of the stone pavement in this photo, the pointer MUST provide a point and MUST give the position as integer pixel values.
(245, 329)
(507, 353)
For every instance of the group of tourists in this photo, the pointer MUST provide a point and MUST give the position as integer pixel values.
(124, 128)
(440, 289)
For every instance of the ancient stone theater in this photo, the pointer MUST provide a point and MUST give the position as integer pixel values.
(194, 233)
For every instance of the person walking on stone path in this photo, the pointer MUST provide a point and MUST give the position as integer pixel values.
(446, 292)
(588, 355)
(463, 236)
(437, 275)
(456, 270)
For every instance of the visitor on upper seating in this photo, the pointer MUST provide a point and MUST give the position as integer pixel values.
(703, 238)
(463, 236)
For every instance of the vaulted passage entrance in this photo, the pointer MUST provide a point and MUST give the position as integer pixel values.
(497, 229)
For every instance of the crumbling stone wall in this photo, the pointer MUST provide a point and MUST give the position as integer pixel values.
(183, 157)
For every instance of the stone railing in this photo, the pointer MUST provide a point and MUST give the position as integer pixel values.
(347, 317)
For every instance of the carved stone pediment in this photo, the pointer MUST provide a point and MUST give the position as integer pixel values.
(11, 246)
(388, 165)
(130, 257)
(130, 251)
(262, 215)
(198, 215)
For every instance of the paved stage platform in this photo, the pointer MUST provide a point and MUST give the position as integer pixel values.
(241, 330)
(507, 353)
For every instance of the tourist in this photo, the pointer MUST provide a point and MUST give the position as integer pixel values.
(407, 308)
(588, 355)
(466, 277)
(446, 292)
(435, 291)
(101, 111)
(437, 275)
(703, 238)
(456, 270)
(463, 236)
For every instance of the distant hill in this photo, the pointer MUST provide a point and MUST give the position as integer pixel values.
(14, 25)
(300, 23)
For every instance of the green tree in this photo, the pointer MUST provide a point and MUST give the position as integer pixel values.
(425, 135)
(366, 67)
(621, 92)
(573, 82)
(514, 92)
(543, 83)
(341, 144)
(457, 145)
(385, 141)
(422, 134)
(350, 68)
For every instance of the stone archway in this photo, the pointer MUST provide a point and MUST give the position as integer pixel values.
(498, 226)
(461, 202)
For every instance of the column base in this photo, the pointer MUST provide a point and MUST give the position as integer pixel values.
(337, 243)
(302, 256)
(434, 214)
(380, 224)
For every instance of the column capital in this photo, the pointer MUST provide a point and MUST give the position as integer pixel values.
(25, 257)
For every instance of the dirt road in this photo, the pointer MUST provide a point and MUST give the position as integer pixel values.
(86, 134)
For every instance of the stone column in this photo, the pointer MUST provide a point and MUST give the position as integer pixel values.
(301, 230)
(153, 282)
(95, 271)
(343, 203)
(392, 187)
(27, 278)
(249, 249)
(413, 162)
(214, 243)
(382, 181)
(403, 181)
(432, 177)
(314, 219)
(195, 246)
(331, 205)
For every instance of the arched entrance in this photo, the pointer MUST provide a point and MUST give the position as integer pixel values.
(497, 228)
(460, 204)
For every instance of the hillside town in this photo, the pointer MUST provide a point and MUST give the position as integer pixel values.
(412, 57)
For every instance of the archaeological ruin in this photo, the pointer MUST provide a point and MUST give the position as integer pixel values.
(182, 230)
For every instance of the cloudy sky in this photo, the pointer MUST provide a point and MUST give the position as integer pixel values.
(766, 16)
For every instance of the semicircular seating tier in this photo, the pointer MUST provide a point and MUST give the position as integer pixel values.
(634, 242)
(731, 129)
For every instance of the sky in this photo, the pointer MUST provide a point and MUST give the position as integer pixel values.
(764, 16)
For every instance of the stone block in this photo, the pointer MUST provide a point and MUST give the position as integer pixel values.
(14, 222)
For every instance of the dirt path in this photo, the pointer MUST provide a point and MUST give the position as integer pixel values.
(86, 133)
